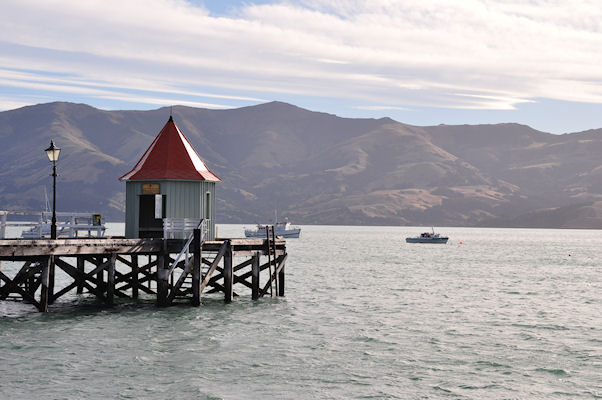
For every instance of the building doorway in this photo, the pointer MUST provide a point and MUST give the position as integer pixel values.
(149, 226)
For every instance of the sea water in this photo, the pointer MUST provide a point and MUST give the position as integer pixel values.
(493, 314)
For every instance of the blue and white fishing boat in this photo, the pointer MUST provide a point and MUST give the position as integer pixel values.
(428, 237)
(284, 229)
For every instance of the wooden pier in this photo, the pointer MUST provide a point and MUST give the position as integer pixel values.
(173, 270)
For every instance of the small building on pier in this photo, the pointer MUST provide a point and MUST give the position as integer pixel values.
(169, 181)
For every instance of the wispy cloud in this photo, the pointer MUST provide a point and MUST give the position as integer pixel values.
(382, 108)
(35, 80)
(10, 103)
(480, 54)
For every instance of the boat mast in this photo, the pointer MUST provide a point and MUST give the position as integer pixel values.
(46, 202)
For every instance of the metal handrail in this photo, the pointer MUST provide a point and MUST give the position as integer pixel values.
(174, 227)
(186, 246)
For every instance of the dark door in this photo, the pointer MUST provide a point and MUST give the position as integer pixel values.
(148, 225)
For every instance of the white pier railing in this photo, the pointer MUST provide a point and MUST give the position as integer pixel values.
(68, 224)
(200, 224)
(181, 228)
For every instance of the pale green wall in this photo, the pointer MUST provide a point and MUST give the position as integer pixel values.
(184, 199)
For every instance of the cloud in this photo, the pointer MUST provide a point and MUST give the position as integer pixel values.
(162, 101)
(480, 54)
(11, 104)
(381, 108)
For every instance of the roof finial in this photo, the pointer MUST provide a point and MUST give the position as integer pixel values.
(171, 114)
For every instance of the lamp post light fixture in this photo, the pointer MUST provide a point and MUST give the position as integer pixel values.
(53, 155)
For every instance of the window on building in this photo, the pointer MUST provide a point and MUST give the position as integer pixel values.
(208, 205)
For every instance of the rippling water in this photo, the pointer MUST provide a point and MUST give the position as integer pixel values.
(507, 314)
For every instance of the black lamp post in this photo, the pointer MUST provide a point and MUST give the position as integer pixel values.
(53, 155)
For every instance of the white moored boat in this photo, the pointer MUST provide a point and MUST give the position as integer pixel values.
(284, 229)
(428, 237)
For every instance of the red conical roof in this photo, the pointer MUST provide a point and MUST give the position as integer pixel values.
(170, 156)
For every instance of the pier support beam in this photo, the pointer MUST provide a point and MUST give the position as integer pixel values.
(111, 280)
(228, 289)
(135, 273)
(196, 268)
(51, 272)
(45, 277)
(150, 270)
(255, 277)
(100, 279)
(162, 280)
(281, 280)
(80, 267)
(30, 287)
(276, 275)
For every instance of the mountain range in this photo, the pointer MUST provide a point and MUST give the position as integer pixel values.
(313, 167)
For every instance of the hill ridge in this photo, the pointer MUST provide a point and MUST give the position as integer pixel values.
(313, 167)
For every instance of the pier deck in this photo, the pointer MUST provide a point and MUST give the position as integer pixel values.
(118, 267)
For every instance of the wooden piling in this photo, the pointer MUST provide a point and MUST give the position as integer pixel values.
(281, 280)
(81, 268)
(267, 232)
(45, 293)
(196, 268)
(255, 277)
(100, 285)
(275, 266)
(111, 280)
(31, 286)
(162, 280)
(228, 278)
(150, 270)
(135, 272)
(51, 272)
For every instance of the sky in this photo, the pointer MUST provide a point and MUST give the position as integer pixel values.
(420, 62)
